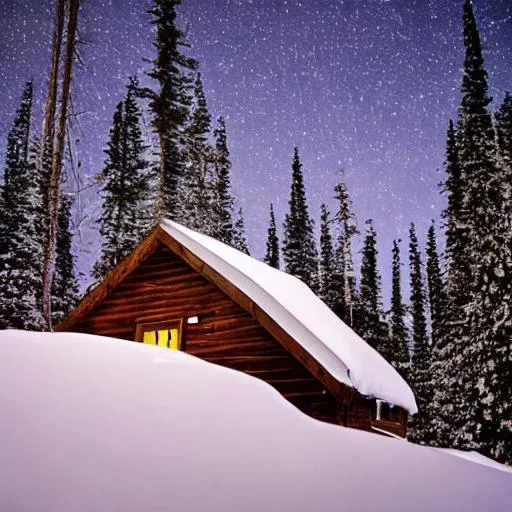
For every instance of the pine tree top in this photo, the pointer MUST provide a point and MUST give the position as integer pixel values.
(474, 81)
(170, 67)
(272, 247)
(201, 117)
(370, 278)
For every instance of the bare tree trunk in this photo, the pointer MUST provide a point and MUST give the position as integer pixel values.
(58, 149)
(51, 99)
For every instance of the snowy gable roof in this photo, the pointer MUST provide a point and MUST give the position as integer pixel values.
(303, 316)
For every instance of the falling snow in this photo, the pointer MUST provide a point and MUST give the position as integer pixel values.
(366, 86)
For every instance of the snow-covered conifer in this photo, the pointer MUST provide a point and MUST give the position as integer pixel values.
(222, 208)
(436, 292)
(65, 283)
(327, 291)
(127, 211)
(272, 249)
(195, 197)
(419, 378)
(299, 248)
(239, 239)
(170, 103)
(485, 373)
(399, 357)
(369, 318)
(21, 252)
(344, 282)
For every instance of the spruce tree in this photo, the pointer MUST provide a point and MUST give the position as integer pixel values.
(272, 251)
(65, 283)
(457, 223)
(369, 319)
(503, 123)
(299, 248)
(126, 212)
(343, 279)
(195, 197)
(436, 292)
(239, 239)
(327, 260)
(170, 104)
(222, 209)
(398, 330)
(484, 410)
(420, 377)
(447, 367)
(20, 259)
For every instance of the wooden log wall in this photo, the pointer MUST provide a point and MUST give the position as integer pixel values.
(165, 287)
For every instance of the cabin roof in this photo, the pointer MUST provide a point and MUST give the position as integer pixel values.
(283, 304)
(306, 318)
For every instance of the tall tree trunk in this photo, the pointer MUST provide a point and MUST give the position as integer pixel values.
(58, 150)
(51, 99)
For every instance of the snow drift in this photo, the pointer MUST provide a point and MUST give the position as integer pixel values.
(91, 423)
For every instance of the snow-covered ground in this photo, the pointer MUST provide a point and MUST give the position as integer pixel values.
(95, 424)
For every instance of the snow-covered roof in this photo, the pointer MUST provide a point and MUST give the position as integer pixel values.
(299, 312)
(85, 425)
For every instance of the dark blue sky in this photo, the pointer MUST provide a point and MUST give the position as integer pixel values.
(366, 86)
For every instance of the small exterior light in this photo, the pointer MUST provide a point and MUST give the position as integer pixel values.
(193, 320)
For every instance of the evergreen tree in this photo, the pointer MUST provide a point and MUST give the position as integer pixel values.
(65, 284)
(195, 197)
(126, 212)
(171, 103)
(368, 321)
(436, 293)
(398, 330)
(327, 260)
(239, 239)
(457, 233)
(343, 279)
(3, 226)
(503, 123)
(447, 364)
(20, 259)
(299, 248)
(272, 253)
(479, 380)
(420, 378)
(222, 199)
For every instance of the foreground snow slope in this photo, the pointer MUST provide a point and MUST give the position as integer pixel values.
(95, 424)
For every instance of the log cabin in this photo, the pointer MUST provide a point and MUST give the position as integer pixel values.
(182, 290)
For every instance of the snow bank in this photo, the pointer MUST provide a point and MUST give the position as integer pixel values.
(95, 424)
(304, 316)
(475, 457)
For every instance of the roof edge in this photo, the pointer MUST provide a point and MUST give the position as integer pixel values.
(111, 281)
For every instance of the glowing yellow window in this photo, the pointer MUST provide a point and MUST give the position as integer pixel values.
(165, 334)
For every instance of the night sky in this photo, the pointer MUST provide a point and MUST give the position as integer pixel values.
(367, 86)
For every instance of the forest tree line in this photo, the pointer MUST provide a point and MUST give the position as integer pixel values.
(451, 340)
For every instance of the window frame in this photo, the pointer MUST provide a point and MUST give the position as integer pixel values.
(389, 420)
(145, 325)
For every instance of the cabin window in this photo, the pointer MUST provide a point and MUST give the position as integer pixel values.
(166, 334)
(384, 411)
